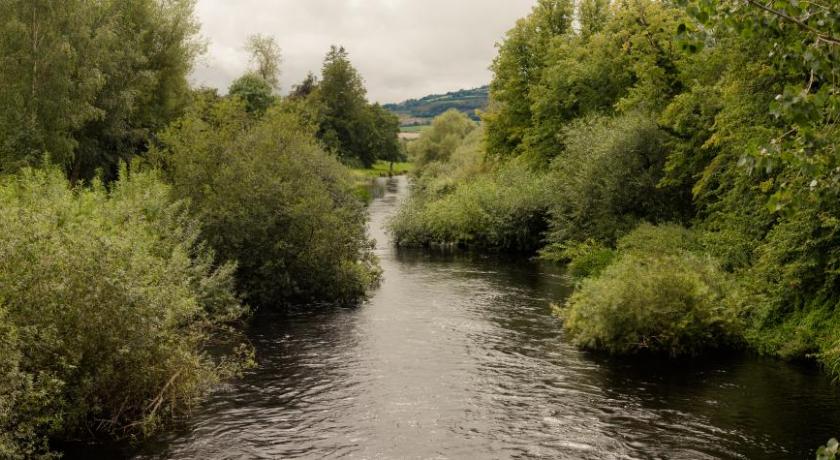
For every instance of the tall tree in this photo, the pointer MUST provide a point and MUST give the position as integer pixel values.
(88, 82)
(517, 68)
(266, 58)
(385, 140)
(305, 88)
(48, 80)
(342, 99)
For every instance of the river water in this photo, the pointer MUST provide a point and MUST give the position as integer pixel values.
(458, 356)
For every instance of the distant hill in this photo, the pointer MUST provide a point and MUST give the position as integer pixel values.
(416, 111)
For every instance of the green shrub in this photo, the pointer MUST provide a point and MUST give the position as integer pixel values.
(438, 142)
(660, 240)
(669, 302)
(274, 201)
(585, 259)
(502, 210)
(25, 401)
(829, 451)
(462, 200)
(606, 181)
(109, 301)
(788, 295)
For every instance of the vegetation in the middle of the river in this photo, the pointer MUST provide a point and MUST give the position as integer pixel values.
(681, 156)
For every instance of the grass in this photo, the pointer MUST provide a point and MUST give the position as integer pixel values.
(364, 177)
(382, 169)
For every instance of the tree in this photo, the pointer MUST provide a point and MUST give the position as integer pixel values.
(266, 58)
(516, 69)
(254, 91)
(273, 201)
(89, 82)
(593, 15)
(440, 141)
(48, 79)
(342, 98)
(303, 89)
(385, 140)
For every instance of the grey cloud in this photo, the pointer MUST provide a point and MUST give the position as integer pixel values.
(403, 48)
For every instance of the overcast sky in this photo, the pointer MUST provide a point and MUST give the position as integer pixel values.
(403, 48)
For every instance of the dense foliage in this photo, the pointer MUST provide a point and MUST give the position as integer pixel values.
(458, 199)
(718, 115)
(115, 287)
(655, 295)
(356, 131)
(109, 301)
(90, 82)
(272, 200)
(608, 178)
(254, 91)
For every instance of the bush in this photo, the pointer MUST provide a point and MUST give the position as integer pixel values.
(668, 301)
(109, 300)
(789, 294)
(440, 141)
(462, 200)
(606, 181)
(502, 210)
(274, 201)
(585, 259)
(24, 401)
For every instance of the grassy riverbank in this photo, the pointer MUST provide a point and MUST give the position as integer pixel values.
(384, 169)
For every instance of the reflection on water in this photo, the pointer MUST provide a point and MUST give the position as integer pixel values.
(457, 356)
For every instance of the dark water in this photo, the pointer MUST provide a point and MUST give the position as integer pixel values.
(459, 357)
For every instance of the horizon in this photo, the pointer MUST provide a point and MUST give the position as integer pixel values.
(440, 46)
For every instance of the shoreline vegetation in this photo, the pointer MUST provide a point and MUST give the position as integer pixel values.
(680, 158)
(144, 220)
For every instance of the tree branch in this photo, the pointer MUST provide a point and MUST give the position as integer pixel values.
(820, 36)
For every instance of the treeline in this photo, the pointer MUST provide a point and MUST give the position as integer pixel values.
(680, 156)
(141, 220)
(468, 101)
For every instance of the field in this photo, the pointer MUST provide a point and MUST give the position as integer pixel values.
(467, 101)
(413, 128)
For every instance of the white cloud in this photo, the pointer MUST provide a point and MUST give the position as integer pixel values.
(403, 48)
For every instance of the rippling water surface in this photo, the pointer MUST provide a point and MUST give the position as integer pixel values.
(459, 357)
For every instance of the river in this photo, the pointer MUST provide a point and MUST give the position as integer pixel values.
(458, 356)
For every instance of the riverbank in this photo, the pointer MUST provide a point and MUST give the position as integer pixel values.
(458, 355)
(694, 204)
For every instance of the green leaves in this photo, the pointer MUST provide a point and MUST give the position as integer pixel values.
(829, 451)
(440, 141)
(255, 92)
(89, 82)
(656, 296)
(109, 300)
(273, 202)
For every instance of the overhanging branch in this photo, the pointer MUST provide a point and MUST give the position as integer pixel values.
(820, 35)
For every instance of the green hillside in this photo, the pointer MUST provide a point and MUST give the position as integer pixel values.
(465, 100)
